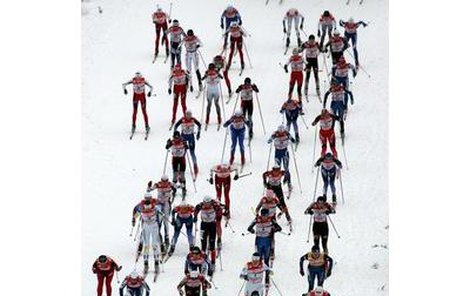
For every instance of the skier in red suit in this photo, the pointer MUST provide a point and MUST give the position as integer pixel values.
(104, 268)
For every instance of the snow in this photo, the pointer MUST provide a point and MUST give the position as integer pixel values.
(120, 41)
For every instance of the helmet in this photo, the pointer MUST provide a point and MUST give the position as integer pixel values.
(218, 58)
(102, 258)
(164, 177)
(134, 275)
(321, 198)
(270, 193)
(148, 195)
(193, 274)
(326, 13)
(159, 8)
(234, 23)
(341, 59)
(188, 113)
(207, 199)
(318, 290)
(276, 166)
(264, 212)
(335, 32)
(138, 74)
(247, 80)
(238, 112)
(281, 128)
(211, 65)
(315, 248)
(328, 155)
(324, 111)
(176, 22)
(351, 20)
(295, 50)
(195, 250)
(311, 37)
(190, 32)
(256, 256)
(176, 134)
(178, 66)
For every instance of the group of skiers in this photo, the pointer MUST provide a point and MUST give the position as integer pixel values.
(154, 213)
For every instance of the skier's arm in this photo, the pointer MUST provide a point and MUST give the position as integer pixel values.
(170, 81)
(250, 228)
(284, 25)
(168, 144)
(181, 285)
(350, 95)
(325, 98)
(177, 124)
(265, 178)
(361, 23)
(276, 227)
(228, 122)
(198, 124)
(149, 85)
(146, 288)
(244, 274)
(308, 210)
(301, 263)
(126, 84)
(121, 288)
(196, 212)
(270, 140)
(301, 21)
(258, 207)
(328, 265)
(316, 120)
(255, 88)
(239, 89)
(319, 161)
(206, 285)
(222, 19)
(338, 163)
(239, 17)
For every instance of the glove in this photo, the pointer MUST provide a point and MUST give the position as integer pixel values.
(354, 74)
(236, 177)
(125, 91)
(173, 222)
(328, 274)
(270, 141)
(302, 273)
(169, 91)
(211, 181)
(204, 293)
(181, 292)
(285, 69)
(191, 88)
(301, 26)
(168, 142)
(133, 222)
(222, 26)
(245, 277)
(251, 230)
(265, 184)
(318, 33)
(284, 30)
(197, 46)
(149, 184)
(94, 270)
(119, 268)
(149, 94)
(307, 212)
(198, 135)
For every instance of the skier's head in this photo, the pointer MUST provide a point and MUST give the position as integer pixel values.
(311, 37)
(102, 258)
(138, 74)
(195, 250)
(164, 178)
(176, 135)
(212, 65)
(324, 111)
(318, 290)
(218, 58)
(295, 51)
(276, 166)
(315, 249)
(238, 112)
(190, 32)
(177, 67)
(264, 212)
(326, 13)
(134, 275)
(333, 82)
(328, 155)
(176, 23)
(193, 274)
(281, 128)
(270, 193)
(341, 60)
(207, 199)
(256, 256)
(336, 32)
(233, 24)
(321, 199)
(148, 195)
(188, 114)
(248, 80)
(351, 20)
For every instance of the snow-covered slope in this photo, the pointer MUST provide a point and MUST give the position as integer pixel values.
(119, 41)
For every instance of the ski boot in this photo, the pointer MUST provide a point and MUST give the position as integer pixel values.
(299, 42)
(297, 138)
(231, 159)
(250, 134)
(147, 128)
(306, 90)
(171, 251)
(219, 246)
(243, 65)
(167, 52)
(163, 249)
(243, 160)
(196, 170)
(333, 203)
(146, 267)
(133, 128)
(157, 266)
(287, 42)
(200, 86)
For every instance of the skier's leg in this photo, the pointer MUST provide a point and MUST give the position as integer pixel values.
(177, 230)
(332, 142)
(209, 105)
(240, 51)
(212, 235)
(331, 177)
(204, 236)
(241, 138)
(143, 106)
(108, 281)
(217, 107)
(323, 143)
(218, 188)
(183, 99)
(175, 105)
(99, 288)
(324, 175)
(227, 80)
(226, 184)
(232, 50)
(311, 279)
(234, 137)
(189, 231)
(135, 105)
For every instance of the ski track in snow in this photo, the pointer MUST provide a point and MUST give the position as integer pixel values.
(120, 41)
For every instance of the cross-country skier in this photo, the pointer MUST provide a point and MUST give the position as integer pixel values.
(296, 62)
(320, 209)
(177, 35)
(291, 109)
(181, 215)
(220, 65)
(327, 24)
(329, 166)
(180, 79)
(281, 138)
(188, 125)
(337, 45)
(104, 268)
(318, 291)
(266, 226)
(350, 33)
(246, 96)
(150, 214)
(229, 15)
(319, 267)
(312, 50)
(237, 130)
(211, 214)
(273, 180)
(340, 72)
(178, 160)
(197, 260)
(293, 15)
(213, 78)
(253, 273)
(139, 83)
(135, 285)
(339, 102)
(161, 19)
(193, 283)
(165, 195)
(327, 130)
(236, 39)
(192, 43)
(222, 180)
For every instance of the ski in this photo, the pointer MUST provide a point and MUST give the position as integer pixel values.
(241, 72)
(132, 133)
(147, 131)
(171, 126)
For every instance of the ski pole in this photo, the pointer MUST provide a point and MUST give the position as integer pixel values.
(132, 230)
(296, 168)
(169, 13)
(341, 184)
(191, 171)
(304, 32)
(245, 175)
(345, 158)
(313, 199)
(314, 147)
(244, 282)
(303, 120)
(225, 143)
(166, 160)
(117, 277)
(332, 224)
(260, 113)
(249, 150)
(269, 155)
(202, 59)
(230, 226)
(203, 101)
(137, 231)
(275, 286)
(222, 99)
(247, 55)
(360, 66)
